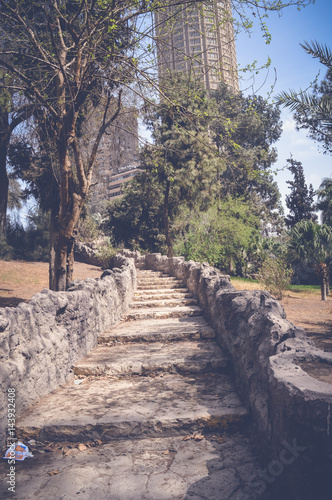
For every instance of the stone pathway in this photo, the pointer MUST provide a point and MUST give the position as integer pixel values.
(153, 413)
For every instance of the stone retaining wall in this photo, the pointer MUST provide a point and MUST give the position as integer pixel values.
(41, 340)
(290, 409)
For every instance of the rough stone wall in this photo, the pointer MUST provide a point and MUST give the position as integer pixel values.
(41, 340)
(291, 411)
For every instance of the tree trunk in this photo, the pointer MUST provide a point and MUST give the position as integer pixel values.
(61, 264)
(70, 261)
(169, 242)
(53, 239)
(323, 288)
(4, 184)
(322, 272)
(62, 232)
(328, 284)
(62, 246)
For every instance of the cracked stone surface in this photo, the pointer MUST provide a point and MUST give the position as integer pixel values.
(162, 312)
(135, 406)
(160, 356)
(163, 330)
(168, 302)
(157, 397)
(215, 468)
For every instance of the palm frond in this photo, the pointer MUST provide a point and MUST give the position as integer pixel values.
(319, 51)
(304, 103)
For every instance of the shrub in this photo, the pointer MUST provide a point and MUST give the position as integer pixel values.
(87, 229)
(220, 236)
(276, 276)
(105, 256)
(6, 250)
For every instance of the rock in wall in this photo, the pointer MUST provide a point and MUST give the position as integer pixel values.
(41, 340)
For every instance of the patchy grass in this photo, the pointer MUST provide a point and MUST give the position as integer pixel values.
(250, 284)
(305, 289)
(246, 284)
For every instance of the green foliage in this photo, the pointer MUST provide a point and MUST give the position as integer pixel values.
(14, 194)
(300, 201)
(309, 246)
(244, 130)
(105, 256)
(276, 276)
(30, 243)
(220, 236)
(182, 159)
(324, 203)
(261, 249)
(87, 229)
(135, 221)
(182, 152)
(35, 165)
(185, 174)
(7, 252)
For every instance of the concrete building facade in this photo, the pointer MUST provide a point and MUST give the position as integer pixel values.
(117, 157)
(198, 40)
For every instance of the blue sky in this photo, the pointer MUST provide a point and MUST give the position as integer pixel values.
(295, 69)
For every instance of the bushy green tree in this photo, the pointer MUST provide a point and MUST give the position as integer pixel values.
(221, 235)
(182, 159)
(29, 243)
(324, 202)
(244, 130)
(136, 220)
(264, 248)
(300, 201)
(191, 162)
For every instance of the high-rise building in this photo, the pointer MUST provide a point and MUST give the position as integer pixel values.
(198, 40)
(117, 155)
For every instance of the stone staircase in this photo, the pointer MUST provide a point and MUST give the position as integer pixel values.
(157, 379)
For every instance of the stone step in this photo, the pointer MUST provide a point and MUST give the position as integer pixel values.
(148, 273)
(147, 330)
(159, 286)
(163, 294)
(164, 312)
(161, 291)
(137, 407)
(158, 279)
(143, 359)
(140, 304)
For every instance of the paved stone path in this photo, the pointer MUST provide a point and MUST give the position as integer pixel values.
(152, 414)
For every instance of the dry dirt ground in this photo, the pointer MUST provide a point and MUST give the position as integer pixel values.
(20, 280)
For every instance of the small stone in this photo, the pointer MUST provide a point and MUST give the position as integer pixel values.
(53, 473)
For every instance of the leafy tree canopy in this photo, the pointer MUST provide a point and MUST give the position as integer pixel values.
(300, 201)
(221, 235)
(324, 203)
(244, 130)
